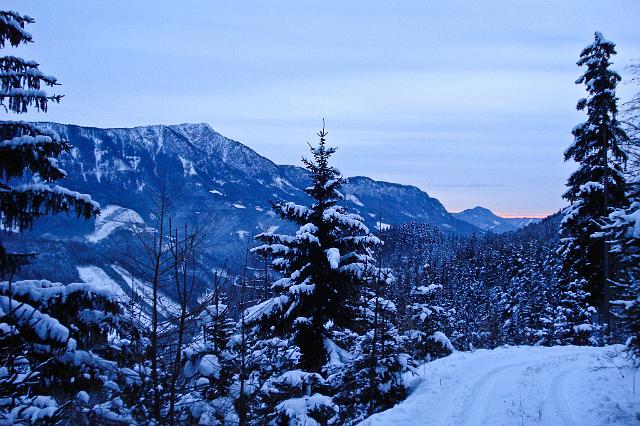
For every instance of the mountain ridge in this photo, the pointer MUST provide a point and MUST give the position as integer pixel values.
(230, 153)
(210, 179)
(486, 220)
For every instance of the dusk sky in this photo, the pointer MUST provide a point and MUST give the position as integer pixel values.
(471, 101)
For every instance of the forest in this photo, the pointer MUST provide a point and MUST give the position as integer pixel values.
(319, 326)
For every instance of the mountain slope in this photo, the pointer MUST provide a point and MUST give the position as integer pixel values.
(486, 220)
(117, 165)
(209, 179)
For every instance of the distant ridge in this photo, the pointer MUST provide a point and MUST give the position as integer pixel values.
(486, 220)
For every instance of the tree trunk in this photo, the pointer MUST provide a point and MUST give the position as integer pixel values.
(606, 314)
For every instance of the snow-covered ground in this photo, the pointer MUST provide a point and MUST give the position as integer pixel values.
(111, 218)
(522, 386)
(144, 291)
(97, 276)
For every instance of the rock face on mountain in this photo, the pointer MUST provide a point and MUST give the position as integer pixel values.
(208, 179)
(486, 220)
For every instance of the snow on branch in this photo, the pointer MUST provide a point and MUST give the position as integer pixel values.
(26, 316)
(12, 28)
(292, 211)
(40, 199)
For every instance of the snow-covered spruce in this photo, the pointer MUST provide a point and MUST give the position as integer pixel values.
(53, 337)
(211, 362)
(480, 291)
(624, 230)
(28, 154)
(595, 189)
(325, 268)
(58, 339)
(381, 355)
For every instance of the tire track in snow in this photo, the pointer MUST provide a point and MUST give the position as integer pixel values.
(557, 395)
(485, 399)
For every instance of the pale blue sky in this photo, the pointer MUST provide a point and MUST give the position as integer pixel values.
(472, 101)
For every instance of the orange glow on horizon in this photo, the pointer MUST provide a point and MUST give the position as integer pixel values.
(521, 215)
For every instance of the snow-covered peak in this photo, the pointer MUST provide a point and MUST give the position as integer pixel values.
(486, 220)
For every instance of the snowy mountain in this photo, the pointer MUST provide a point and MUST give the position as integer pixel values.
(486, 220)
(209, 179)
(212, 174)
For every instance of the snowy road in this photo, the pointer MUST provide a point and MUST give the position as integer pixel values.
(572, 386)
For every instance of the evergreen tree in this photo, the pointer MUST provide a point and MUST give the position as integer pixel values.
(323, 266)
(594, 190)
(624, 230)
(210, 362)
(631, 120)
(430, 323)
(28, 154)
(538, 280)
(480, 291)
(56, 357)
(375, 381)
(58, 353)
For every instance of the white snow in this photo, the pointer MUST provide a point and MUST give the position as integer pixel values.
(353, 199)
(144, 290)
(283, 184)
(382, 226)
(187, 167)
(99, 278)
(111, 218)
(39, 188)
(333, 256)
(563, 385)
(45, 326)
(442, 338)
(83, 397)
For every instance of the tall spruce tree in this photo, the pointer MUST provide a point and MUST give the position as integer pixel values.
(209, 364)
(56, 359)
(596, 188)
(624, 228)
(323, 266)
(624, 231)
(28, 153)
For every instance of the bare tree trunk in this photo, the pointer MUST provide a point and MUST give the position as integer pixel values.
(242, 398)
(169, 256)
(606, 314)
(157, 254)
(183, 254)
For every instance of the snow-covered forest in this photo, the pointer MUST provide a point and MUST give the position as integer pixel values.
(322, 320)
